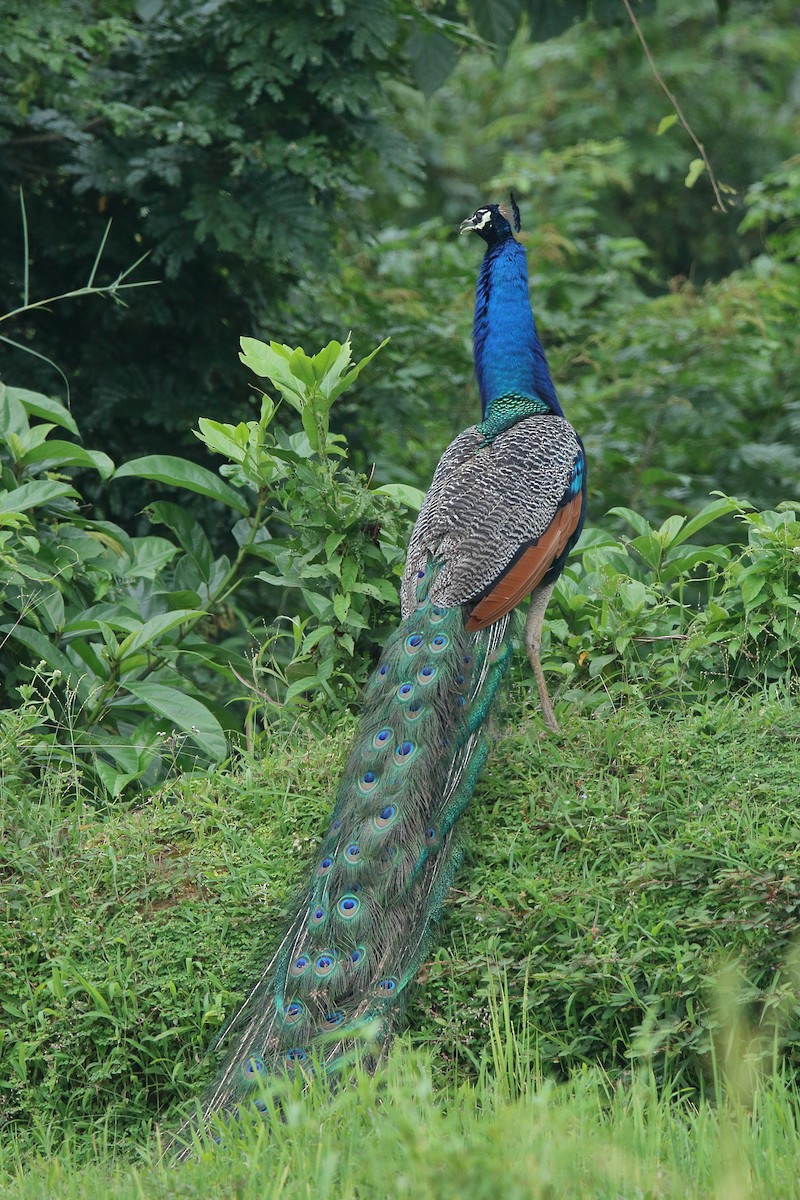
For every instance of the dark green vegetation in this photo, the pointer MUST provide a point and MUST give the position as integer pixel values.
(217, 138)
(286, 178)
(275, 167)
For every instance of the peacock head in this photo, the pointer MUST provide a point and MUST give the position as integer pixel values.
(493, 222)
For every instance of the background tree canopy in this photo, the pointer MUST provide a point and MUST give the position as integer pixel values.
(218, 138)
(275, 164)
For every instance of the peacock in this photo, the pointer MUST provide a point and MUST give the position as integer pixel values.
(505, 507)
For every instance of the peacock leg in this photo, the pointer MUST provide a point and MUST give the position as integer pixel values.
(533, 642)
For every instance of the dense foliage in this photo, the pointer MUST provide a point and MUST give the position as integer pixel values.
(134, 647)
(669, 326)
(218, 137)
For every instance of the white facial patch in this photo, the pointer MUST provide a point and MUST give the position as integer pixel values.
(482, 217)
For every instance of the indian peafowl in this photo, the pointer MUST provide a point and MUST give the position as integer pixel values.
(505, 508)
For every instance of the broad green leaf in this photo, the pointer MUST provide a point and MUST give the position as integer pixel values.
(114, 781)
(649, 547)
(69, 454)
(496, 21)
(690, 557)
(311, 639)
(324, 360)
(14, 428)
(302, 368)
(334, 372)
(751, 589)
(597, 664)
(85, 651)
(35, 436)
(153, 629)
(349, 574)
(44, 407)
(332, 542)
(220, 438)
(110, 536)
(592, 537)
(272, 580)
(34, 494)
(308, 417)
(188, 714)
(412, 497)
(149, 555)
(317, 604)
(50, 608)
(179, 472)
(351, 375)
(341, 607)
(633, 518)
(80, 627)
(670, 529)
(272, 362)
(307, 684)
(712, 512)
(432, 56)
(187, 530)
(633, 595)
(385, 589)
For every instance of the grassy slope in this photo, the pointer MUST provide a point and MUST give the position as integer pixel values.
(613, 866)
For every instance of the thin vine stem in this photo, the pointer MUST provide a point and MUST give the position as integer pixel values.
(678, 111)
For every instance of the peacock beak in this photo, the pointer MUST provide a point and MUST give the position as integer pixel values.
(467, 226)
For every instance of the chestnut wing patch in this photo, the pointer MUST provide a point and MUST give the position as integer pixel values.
(528, 569)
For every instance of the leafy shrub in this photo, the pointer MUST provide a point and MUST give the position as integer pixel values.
(111, 619)
(136, 643)
(659, 616)
(336, 546)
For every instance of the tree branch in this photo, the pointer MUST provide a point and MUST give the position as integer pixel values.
(678, 112)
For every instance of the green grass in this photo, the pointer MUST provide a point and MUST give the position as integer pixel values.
(404, 1134)
(565, 1035)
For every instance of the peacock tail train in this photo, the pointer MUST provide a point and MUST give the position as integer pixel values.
(503, 511)
(340, 979)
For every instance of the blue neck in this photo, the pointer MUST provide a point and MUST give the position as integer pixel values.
(509, 359)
